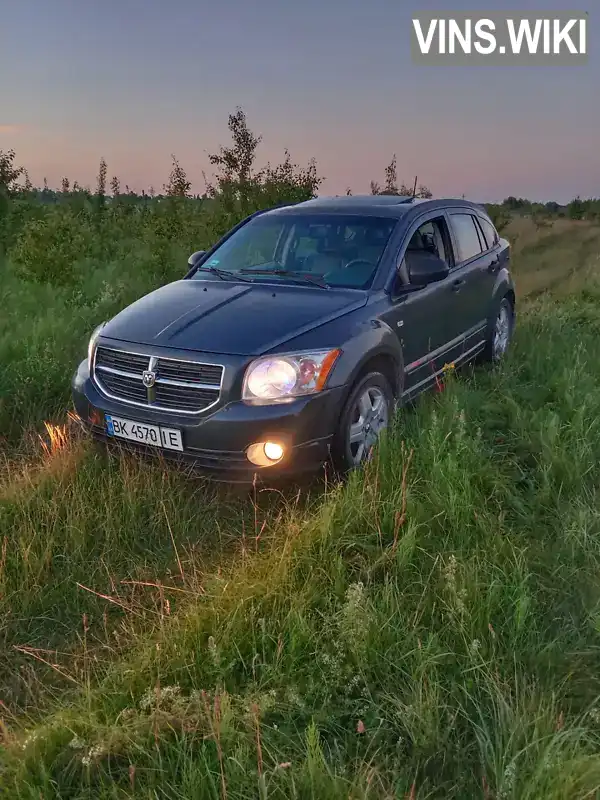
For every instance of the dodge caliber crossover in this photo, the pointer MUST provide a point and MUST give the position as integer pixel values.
(291, 342)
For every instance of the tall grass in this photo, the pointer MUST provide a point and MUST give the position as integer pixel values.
(429, 629)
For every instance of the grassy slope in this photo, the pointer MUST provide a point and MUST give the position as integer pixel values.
(450, 649)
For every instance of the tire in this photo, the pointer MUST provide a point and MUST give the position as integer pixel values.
(500, 333)
(360, 423)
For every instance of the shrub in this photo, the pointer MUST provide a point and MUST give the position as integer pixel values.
(48, 248)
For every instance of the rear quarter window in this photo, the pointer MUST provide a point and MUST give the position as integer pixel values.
(490, 233)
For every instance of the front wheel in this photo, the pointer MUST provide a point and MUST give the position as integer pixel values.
(366, 414)
(500, 333)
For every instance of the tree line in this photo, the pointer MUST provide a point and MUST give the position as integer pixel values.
(238, 187)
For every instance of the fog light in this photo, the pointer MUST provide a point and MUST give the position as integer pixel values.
(264, 454)
(273, 451)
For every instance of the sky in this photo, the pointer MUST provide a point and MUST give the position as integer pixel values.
(134, 81)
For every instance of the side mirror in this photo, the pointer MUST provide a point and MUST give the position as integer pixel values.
(424, 267)
(195, 258)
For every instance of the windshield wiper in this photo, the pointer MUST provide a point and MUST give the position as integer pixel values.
(224, 274)
(297, 277)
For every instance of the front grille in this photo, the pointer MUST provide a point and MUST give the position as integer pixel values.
(189, 371)
(119, 360)
(183, 386)
(124, 387)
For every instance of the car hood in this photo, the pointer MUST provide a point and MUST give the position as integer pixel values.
(229, 318)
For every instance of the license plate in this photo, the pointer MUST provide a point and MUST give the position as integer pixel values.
(169, 438)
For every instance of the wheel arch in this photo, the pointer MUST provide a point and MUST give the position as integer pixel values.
(388, 363)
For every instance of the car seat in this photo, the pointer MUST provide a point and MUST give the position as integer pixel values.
(324, 260)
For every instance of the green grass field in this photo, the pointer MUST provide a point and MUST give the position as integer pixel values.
(431, 629)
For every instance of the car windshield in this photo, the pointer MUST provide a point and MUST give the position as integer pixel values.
(317, 249)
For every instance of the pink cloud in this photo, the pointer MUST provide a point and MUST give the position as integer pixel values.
(10, 128)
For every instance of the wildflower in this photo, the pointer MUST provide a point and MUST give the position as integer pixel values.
(293, 698)
(167, 695)
(360, 727)
(450, 570)
(508, 780)
(76, 743)
(355, 621)
(93, 754)
(212, 649)
(458, 595)
(595, 715)
(30, 739)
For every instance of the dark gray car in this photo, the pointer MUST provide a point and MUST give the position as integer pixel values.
(293, 339)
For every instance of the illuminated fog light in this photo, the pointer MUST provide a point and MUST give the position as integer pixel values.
(264, 454)
(273, 451)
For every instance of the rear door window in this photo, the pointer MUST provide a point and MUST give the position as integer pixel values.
(467, 236)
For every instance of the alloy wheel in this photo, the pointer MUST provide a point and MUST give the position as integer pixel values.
(501, 332)
(370, 415)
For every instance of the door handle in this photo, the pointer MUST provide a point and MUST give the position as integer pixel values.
(457, 285)
(494, 265)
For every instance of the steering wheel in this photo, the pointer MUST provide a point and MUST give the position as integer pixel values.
(359, 261)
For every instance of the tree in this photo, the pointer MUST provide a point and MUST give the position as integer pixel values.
(236, 162)
(101, 182)
(391, 178)
(287, 183)
(576, 208)
(9, 172)
(9, 175)
(240, 189)
(115, 186)
(65, 185)
(499, 215)
(391, 184)
(178, 185)
(424, 192)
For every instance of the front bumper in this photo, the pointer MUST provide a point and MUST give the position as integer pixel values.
(217, 443)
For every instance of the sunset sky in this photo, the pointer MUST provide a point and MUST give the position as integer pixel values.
(135, 81)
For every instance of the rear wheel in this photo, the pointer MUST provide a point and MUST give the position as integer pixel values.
(366, 414)
(500, 333)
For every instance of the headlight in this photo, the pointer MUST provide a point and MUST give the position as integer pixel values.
(92, 344)
(278, 378)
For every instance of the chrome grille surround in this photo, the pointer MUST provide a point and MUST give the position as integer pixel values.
(192, 387)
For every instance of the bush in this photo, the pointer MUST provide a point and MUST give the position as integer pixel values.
(48, 248)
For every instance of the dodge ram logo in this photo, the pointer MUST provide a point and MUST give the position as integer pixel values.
(149, 379)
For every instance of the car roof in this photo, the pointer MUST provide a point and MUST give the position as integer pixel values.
(378, 205)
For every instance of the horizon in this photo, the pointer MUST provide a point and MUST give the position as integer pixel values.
(201, 195)
(134, 85)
